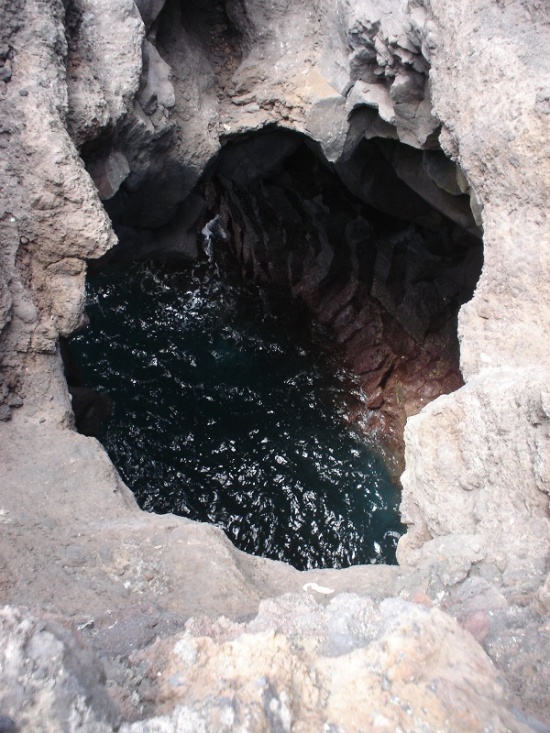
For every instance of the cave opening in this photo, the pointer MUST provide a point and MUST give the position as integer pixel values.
(264, 349)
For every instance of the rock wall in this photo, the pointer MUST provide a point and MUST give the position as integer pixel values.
(331, 92)
(383, 292)
(505, 325)
(147, 103)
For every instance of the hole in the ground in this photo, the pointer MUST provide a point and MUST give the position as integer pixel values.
(225, 411)
(264, 387)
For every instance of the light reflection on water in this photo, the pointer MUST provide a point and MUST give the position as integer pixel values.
(224, 413)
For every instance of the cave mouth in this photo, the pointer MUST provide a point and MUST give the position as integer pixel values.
(321, 314)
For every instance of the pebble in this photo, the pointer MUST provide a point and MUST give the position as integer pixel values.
(5, 413)
(5, 73)
(15, 401)
(75, 556)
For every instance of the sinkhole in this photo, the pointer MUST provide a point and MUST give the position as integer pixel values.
(263, 349)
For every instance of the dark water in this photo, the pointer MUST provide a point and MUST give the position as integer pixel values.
(224, 413)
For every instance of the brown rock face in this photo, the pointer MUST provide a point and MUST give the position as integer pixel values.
(383, 293)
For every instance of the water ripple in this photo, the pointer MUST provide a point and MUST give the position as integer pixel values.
(224, 412)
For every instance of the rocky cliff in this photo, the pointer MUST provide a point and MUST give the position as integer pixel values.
(123, 117)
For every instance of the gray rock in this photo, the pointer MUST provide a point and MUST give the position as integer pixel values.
(149, 10)
(34, 654)
(5, 72)
(443, 172)
(8, 724)
(108, 173)
(14, 400)
(156, 88)
(476, 484)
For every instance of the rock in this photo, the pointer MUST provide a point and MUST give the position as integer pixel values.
(5, 72)
(34, 653)
(156, 88)
(295, 665)
(14, 400)
(5, 413)
(513, 343)
(327, 119)
(109, 173)
(371, 95)
(7, 724)
(444, 173)
(149, 10)
(502, 410)
(97, 96)
(477, 479)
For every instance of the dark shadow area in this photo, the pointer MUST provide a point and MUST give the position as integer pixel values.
(380, 267)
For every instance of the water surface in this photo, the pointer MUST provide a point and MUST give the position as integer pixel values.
(226, 412)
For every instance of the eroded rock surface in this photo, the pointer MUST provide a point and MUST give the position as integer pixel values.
(49, 680)
(297, 666)
(148, 106)
(385, 292)
(352, 665)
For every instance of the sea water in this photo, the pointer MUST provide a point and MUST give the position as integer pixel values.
(228, 411)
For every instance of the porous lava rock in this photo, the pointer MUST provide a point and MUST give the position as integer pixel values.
(147, 94)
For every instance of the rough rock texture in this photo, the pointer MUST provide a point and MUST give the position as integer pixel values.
(296, 666)
(48, 679)
(505, 157)
(98, 98)
(51, 220)
(73, 85)
(510, 417)
(386, 292)
(214, 71)
(496, 427)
